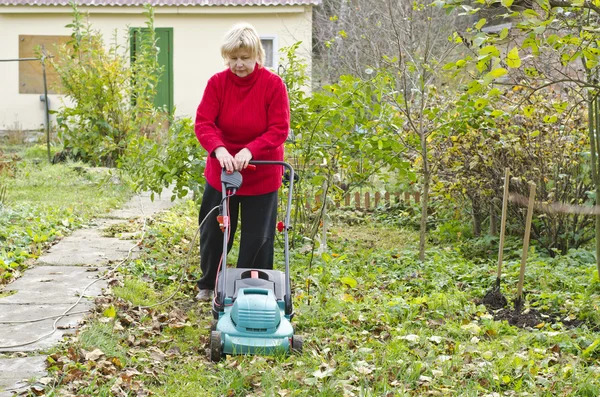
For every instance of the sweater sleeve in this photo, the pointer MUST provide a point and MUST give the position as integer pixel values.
(278, 120)
(206, 130)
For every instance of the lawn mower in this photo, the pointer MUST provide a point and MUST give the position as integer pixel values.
(252, 308)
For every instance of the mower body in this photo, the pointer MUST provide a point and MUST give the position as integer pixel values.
(255, 321)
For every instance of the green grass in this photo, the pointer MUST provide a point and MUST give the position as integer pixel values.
(376, 322)
(137, 292)
(46, 202)
(102, 336)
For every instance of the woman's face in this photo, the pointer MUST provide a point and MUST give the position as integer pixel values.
(241, 63)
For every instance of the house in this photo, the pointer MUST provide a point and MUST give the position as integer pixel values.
(189, 35)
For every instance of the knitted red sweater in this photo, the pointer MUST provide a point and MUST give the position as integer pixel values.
(251, 112)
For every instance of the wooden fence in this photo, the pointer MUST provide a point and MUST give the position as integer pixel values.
(370, 200)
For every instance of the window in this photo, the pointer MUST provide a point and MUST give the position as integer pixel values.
(268, 44)
(31, 80)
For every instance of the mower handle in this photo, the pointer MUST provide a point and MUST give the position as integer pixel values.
(288, 295)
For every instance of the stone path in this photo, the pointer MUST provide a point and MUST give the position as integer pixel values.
(70, 268)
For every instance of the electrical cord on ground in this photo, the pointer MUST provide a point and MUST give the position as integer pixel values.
(185, 265)
(43, 318)
(112, 271)
(82, 294)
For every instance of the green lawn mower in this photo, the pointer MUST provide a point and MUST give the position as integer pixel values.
(252, 308)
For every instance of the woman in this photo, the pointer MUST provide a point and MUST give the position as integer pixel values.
(244, 115)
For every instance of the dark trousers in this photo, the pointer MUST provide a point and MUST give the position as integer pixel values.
(258, 219)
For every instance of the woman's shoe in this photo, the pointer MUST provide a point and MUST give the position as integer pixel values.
(205, 295)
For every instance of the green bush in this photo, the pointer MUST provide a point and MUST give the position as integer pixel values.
(177, 160)
(111, 100)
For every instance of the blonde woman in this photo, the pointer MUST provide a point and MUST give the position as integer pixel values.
(244, 115)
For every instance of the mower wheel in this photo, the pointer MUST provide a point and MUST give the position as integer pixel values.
(297, 341)
(215, 346)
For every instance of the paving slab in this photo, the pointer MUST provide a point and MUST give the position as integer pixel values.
(88, 247)
(54, 285)
(18, 337)
(142, 205)
(15, 372)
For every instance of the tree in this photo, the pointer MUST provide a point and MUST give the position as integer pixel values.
(101, 116)
(539, 148)
(407, 43)
(555, 44)
(351, 36)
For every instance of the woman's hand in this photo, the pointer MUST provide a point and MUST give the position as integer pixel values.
(242, 158)
(225, 158)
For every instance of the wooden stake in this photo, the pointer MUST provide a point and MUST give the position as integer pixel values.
(519, 301)
(502, 225)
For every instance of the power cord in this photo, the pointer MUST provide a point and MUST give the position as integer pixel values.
(110, 273)
(185, 265)
(81, 295)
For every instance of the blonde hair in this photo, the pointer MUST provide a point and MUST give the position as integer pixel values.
(243, 36)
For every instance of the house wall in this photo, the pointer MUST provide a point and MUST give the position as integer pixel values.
(197, 35)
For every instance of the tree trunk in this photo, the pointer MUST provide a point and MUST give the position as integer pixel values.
(477, 215)
(593, 121)
(595, 135)
(493, 220)
(424, 198)
(424, 209)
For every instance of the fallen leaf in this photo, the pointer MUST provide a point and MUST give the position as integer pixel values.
(94, 355)
(411, 338)
(435, 339)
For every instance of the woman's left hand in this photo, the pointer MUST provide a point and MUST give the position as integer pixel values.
(242, 158)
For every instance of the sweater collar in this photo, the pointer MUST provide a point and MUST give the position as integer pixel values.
(245, 81)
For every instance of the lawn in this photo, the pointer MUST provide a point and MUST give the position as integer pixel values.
(376, 322)
(44, 202)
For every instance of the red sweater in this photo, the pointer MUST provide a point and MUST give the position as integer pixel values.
(251, 112)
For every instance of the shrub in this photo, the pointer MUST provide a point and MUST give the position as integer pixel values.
(111, 100)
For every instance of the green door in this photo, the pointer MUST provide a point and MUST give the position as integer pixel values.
(164, 42)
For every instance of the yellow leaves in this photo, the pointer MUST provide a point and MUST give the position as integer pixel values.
(490, 50)
(591, 348)
(528, 111)
(472, 328)
(561, 106)
(349, 281)
(348, 298)
(480, 23)
(110, 312)
(512, 58)
(494, 74)
(507, 3)
(494, 92)
(116, 362)
(481, 103)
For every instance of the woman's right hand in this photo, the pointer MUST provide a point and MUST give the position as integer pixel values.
(225, 158)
